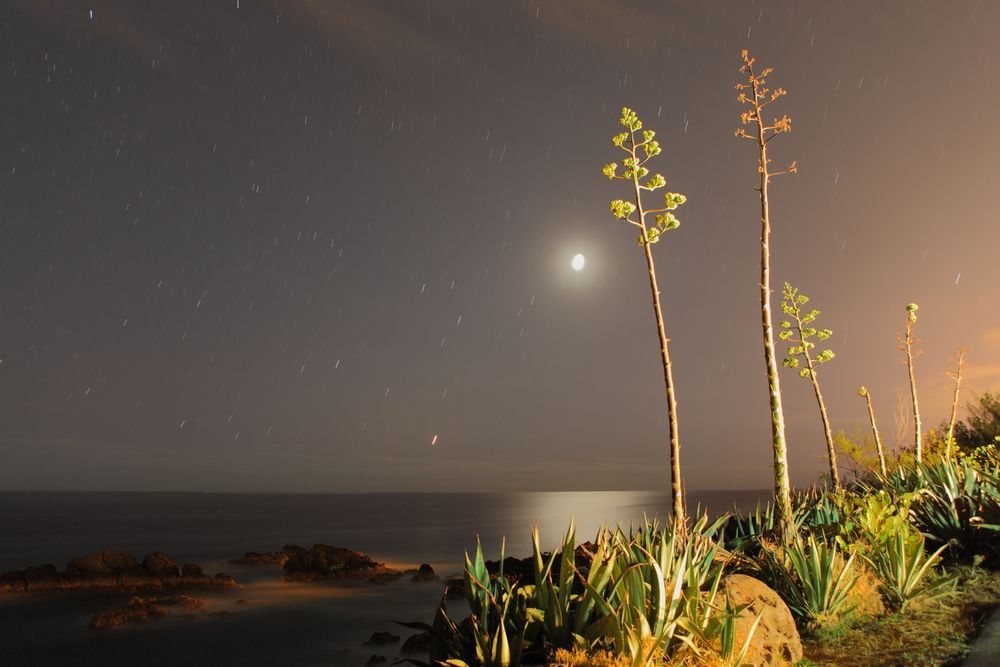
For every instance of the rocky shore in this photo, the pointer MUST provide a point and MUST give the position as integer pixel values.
(111, 570)
(322, 562)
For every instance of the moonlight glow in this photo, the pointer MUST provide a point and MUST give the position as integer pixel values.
(578, 262)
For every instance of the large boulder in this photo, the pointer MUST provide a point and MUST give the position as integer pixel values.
(161, 565)
(776, 640)
(326, 562)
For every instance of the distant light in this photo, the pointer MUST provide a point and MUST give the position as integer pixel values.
(578, 262)
(434, 441)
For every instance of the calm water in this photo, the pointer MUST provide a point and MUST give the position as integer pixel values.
(305, 624)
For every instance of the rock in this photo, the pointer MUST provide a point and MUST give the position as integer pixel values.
(454, 589)
(425, 573)
(523, 569)
(43, 577)
(192, 570)
(514, 568)
(111, 569)
(419, 643)
(326, 562)
(105, 565)
(138, 610)
(266, 559)
(776, 640)
(186, 601)
(160, 565)
(384, 577)
(223, 579)
(12, 582)
(377, 660)
(382, 639)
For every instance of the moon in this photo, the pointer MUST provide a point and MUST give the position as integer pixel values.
(579, 261)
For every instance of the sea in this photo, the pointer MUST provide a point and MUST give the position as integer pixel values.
(265, 621)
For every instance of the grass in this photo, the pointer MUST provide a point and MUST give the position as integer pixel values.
(937, 632)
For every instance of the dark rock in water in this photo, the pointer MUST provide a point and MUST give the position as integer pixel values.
(384, 577)
(419, 643)
(223, 579)
(160, 565)
(377, 660)
(140, 610)
(107, 564)
(111, 570)
(185, 602)
(454, 589)
(514, 568)
(523, 569)
(12, 582)
(267, 559)
(192, 571)
(382, 639)
(326, 562)
(425, 573)
(43, 577)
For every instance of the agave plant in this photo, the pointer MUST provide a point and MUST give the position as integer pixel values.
(814, 579)
(958, 505)
(554, 591)
(744, 531)
(503, 615)
(707, 623)
(906, 571)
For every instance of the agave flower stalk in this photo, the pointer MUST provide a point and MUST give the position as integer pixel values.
(756, 95)
(864, 393)
(801, 348)
(639, 150)
(956, 373)
(906, 346)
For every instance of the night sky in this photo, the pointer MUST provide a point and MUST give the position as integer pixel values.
(279, 245)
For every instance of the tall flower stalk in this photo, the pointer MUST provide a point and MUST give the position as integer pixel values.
(864, 393)
(639, 149)
(799, 332)
(906, 346)
(755, 95)
(954, 372)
